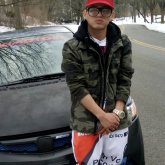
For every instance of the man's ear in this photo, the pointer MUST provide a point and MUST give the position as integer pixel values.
(84, 13)
(112, 15)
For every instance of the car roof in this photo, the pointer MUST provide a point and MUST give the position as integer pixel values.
(34, 31)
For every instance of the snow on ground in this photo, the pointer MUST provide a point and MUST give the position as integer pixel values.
(154, 26)
(4, 29)
(127, 20)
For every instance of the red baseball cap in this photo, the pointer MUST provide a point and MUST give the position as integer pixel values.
(109, 3)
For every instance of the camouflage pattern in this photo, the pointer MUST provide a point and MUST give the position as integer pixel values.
(87, 72)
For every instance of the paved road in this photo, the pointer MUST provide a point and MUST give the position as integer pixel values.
(148, 88)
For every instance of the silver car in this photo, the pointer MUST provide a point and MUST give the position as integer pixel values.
(34, 99)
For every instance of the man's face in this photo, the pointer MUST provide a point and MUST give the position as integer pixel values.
(98, 16)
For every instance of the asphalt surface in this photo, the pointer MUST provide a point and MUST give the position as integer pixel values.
(148, 88)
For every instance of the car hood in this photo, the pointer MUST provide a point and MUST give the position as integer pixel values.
(34, 107)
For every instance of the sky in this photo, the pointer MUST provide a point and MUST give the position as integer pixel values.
(154, 26)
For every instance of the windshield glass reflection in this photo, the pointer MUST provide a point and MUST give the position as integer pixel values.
(32, 56)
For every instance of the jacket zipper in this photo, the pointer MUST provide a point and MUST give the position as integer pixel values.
(102, 99)
(105, 62)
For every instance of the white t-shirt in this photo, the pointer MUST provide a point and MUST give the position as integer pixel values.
(99, 42)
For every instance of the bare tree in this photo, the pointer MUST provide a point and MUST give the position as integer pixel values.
(135, 7)
(151, 5)
(76, 7)
(144, 9)
(2, 10)
(162, 9)
(65, 11)
(17, 15)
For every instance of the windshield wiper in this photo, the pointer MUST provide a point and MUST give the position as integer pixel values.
(36, 79)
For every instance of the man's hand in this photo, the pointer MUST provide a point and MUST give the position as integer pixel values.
(109, 122)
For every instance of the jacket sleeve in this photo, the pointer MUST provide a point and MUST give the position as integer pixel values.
(125, 72)
(72, 67)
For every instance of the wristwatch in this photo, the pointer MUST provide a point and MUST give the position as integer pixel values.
(119, 113)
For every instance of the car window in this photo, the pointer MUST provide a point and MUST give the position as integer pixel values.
(31, 56)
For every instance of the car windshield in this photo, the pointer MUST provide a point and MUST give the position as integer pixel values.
(29, 57)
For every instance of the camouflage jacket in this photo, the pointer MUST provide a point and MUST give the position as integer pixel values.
(88, 71)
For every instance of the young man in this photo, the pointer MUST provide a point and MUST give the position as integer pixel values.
(98, 67)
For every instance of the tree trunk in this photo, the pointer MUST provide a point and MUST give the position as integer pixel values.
(162, 16)
(17, 14)
(162, 10)
(134, 14)
(152, 17)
